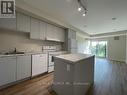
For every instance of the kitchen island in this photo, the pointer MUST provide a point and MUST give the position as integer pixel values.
(73, 74)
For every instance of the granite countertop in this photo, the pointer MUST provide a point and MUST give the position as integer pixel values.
(73, 58)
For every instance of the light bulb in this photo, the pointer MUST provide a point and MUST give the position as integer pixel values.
(79, 9)
(84, 14)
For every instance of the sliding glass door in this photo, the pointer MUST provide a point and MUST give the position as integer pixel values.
(99, 48)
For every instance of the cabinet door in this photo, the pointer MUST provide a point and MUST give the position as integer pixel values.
(71, 34)
(42, 30)
(8, 23)
(61, 34)
(23, 67)
(50, 33)
(55, 33)
(23, 23)
(35, 29)
(44, 62)
(7, 70)
(72, 43)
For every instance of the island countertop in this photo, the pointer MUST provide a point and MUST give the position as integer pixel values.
(73, 58)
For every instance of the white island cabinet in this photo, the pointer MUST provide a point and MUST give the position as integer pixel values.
(73, 74)
(7, 70)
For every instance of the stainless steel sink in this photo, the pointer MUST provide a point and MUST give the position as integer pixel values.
(8, 53)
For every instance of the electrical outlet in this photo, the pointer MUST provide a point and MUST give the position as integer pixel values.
(68, 67)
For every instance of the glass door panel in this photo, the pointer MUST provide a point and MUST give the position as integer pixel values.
(99, 48)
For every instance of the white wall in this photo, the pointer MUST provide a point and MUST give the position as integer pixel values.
(126, 47)
(117, 48)
(11, 39)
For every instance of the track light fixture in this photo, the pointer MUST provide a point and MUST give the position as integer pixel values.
(82, 7)
(79, 9)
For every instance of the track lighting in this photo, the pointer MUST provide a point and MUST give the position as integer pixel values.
(79, 9)
(84, 14)
(82, 7)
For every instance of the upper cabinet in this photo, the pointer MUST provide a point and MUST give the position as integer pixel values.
(71, 34)
(54, 33)
(35, 29)
(23, 23)
(8, 23)
(38, 29)
(50, 33)
(61, 34)
(42, 30)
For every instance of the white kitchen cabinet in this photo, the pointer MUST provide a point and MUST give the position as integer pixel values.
(8, 23)
(39, 64)
(23, 23)
(7, 70)
(42, 30)
(71, 34)
(61, 34)
(38, 29)
(35, 29)
(72, 43)
(23, 67)
(76, 70)
(54, 33)
(50, 33)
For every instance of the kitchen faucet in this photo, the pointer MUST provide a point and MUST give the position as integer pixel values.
(15, 50)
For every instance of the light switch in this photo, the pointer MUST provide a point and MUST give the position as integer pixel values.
(68, 67)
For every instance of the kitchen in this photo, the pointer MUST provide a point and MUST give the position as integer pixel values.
(19, 30)
(45, 48)
(28, 48)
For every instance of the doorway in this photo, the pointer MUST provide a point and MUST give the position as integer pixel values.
(99, 48)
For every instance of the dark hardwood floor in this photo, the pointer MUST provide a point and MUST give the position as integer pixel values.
(110, 79)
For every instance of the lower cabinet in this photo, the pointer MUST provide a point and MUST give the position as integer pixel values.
(23, 67)
(7, 70)
(14, 68)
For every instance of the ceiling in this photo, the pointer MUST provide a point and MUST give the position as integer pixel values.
(98, 19)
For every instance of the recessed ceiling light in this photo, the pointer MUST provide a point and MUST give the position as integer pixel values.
(79, 9)
(85, 25)
(84, 14)
(114, 18)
